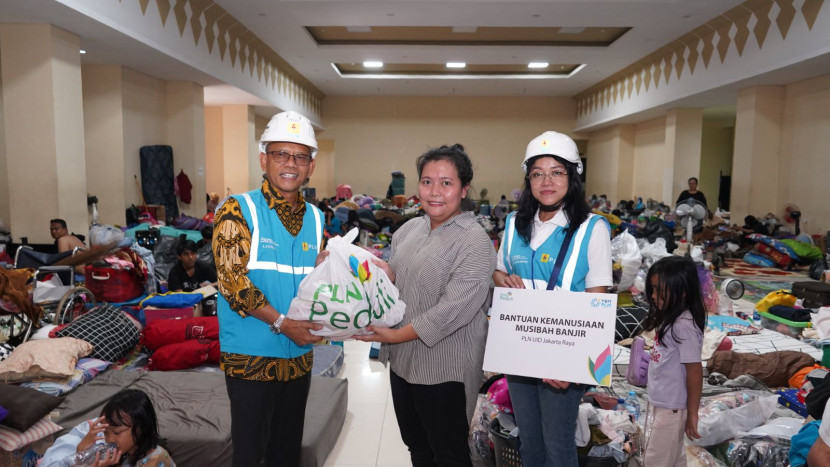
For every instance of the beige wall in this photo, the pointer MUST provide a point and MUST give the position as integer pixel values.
(238, 129)
(254, 167)
(214, 149)
(186, 134)
(715, 157)
(610, 160)
(377, 135)
(41, 75)
(684, 129)
(5, 209)
(145, 123)
(650, 160)
(758, 126)
(323, 178)
(805, 163)
(104, 138)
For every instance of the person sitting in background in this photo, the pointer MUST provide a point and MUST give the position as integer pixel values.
(333, 224)
(188, 274)
(64, 241)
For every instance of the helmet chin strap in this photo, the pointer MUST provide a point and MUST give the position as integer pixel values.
(551, 207)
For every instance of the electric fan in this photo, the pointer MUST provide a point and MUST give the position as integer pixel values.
(733, 288)
(792, 215)
(690, 214)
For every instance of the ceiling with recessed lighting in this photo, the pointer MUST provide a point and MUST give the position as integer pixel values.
(574, 44)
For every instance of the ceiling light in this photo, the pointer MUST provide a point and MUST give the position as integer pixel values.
(359, 28)
(571, 30)
(456, 64)
(372, 64)
(83, 51)
(537, 65)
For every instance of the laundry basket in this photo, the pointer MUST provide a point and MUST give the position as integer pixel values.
(506, 449)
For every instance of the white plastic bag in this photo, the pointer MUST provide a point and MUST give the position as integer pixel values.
(347, 292)
(717, 426)
(624, 250)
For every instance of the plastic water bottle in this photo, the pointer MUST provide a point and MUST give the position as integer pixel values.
(87, 457)
(632, 405)
(620, 405)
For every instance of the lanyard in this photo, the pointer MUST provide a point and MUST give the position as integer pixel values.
(560, 259)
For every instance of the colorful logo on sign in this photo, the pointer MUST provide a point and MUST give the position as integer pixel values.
(360, 270)
(545, 258)
(601, 368)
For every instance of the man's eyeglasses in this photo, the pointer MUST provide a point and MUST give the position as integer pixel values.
(555, 176)
(282, 157)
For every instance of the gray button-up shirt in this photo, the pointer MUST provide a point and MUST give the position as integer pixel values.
(444, 278)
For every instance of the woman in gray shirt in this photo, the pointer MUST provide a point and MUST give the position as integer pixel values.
(442, 264)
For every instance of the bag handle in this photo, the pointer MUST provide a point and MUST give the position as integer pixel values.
(100, 278)
(560, 259)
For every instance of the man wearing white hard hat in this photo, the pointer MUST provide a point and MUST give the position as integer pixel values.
(265, 242)
(553, 217)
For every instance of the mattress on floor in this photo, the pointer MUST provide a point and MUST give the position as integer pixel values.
(194, 412)
(328, 360)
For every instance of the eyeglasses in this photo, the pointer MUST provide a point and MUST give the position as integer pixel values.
(555, 176)
(282, 157)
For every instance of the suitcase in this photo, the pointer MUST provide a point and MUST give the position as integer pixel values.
(812, 294)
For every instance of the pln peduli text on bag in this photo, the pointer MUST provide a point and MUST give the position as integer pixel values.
(347, 292)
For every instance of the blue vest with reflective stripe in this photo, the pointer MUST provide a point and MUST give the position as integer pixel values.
(277, 263)
(536, 266)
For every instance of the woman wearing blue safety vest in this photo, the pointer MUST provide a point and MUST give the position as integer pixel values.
(552, 238)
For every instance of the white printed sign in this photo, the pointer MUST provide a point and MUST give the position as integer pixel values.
(561, 335)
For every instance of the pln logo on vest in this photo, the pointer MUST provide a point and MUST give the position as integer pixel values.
(307, 247)
(545, 258)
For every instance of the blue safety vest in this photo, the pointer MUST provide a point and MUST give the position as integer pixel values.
(536, 266)
(277, 262)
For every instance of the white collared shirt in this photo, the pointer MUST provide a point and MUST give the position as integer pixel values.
(599, 249)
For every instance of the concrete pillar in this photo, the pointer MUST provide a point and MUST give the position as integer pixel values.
(684, 136)
(186, 134)
(610, 161)
(104, 140)
(44, 129)
(757, 151)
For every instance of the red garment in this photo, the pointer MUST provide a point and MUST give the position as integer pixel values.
(170, 331)
(185, 355)
(185, 187)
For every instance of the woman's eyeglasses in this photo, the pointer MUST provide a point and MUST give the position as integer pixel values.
(282, 157)
(555, 176)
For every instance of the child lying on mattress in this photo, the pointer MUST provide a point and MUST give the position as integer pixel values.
(128, 423)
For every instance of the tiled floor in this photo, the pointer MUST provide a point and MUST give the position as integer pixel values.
(370, 435)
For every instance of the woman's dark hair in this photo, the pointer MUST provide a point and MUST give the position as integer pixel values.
(186, 245)
(679, 285)
(574, 204)
(132, 407)
(454, 154)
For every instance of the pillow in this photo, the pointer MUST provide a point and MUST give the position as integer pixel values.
(5, 350)
(774, 243)
(171, 331)
(108, 329)
(27, 406)
(48, 358)
(629, 322)
(11, 440)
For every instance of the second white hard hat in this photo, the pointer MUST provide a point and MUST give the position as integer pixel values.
(289, 127)
(551, 143)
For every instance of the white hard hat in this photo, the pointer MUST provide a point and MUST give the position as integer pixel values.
(553, 144)
(289, 127)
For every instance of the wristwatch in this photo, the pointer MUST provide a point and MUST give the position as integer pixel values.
(276, 326)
